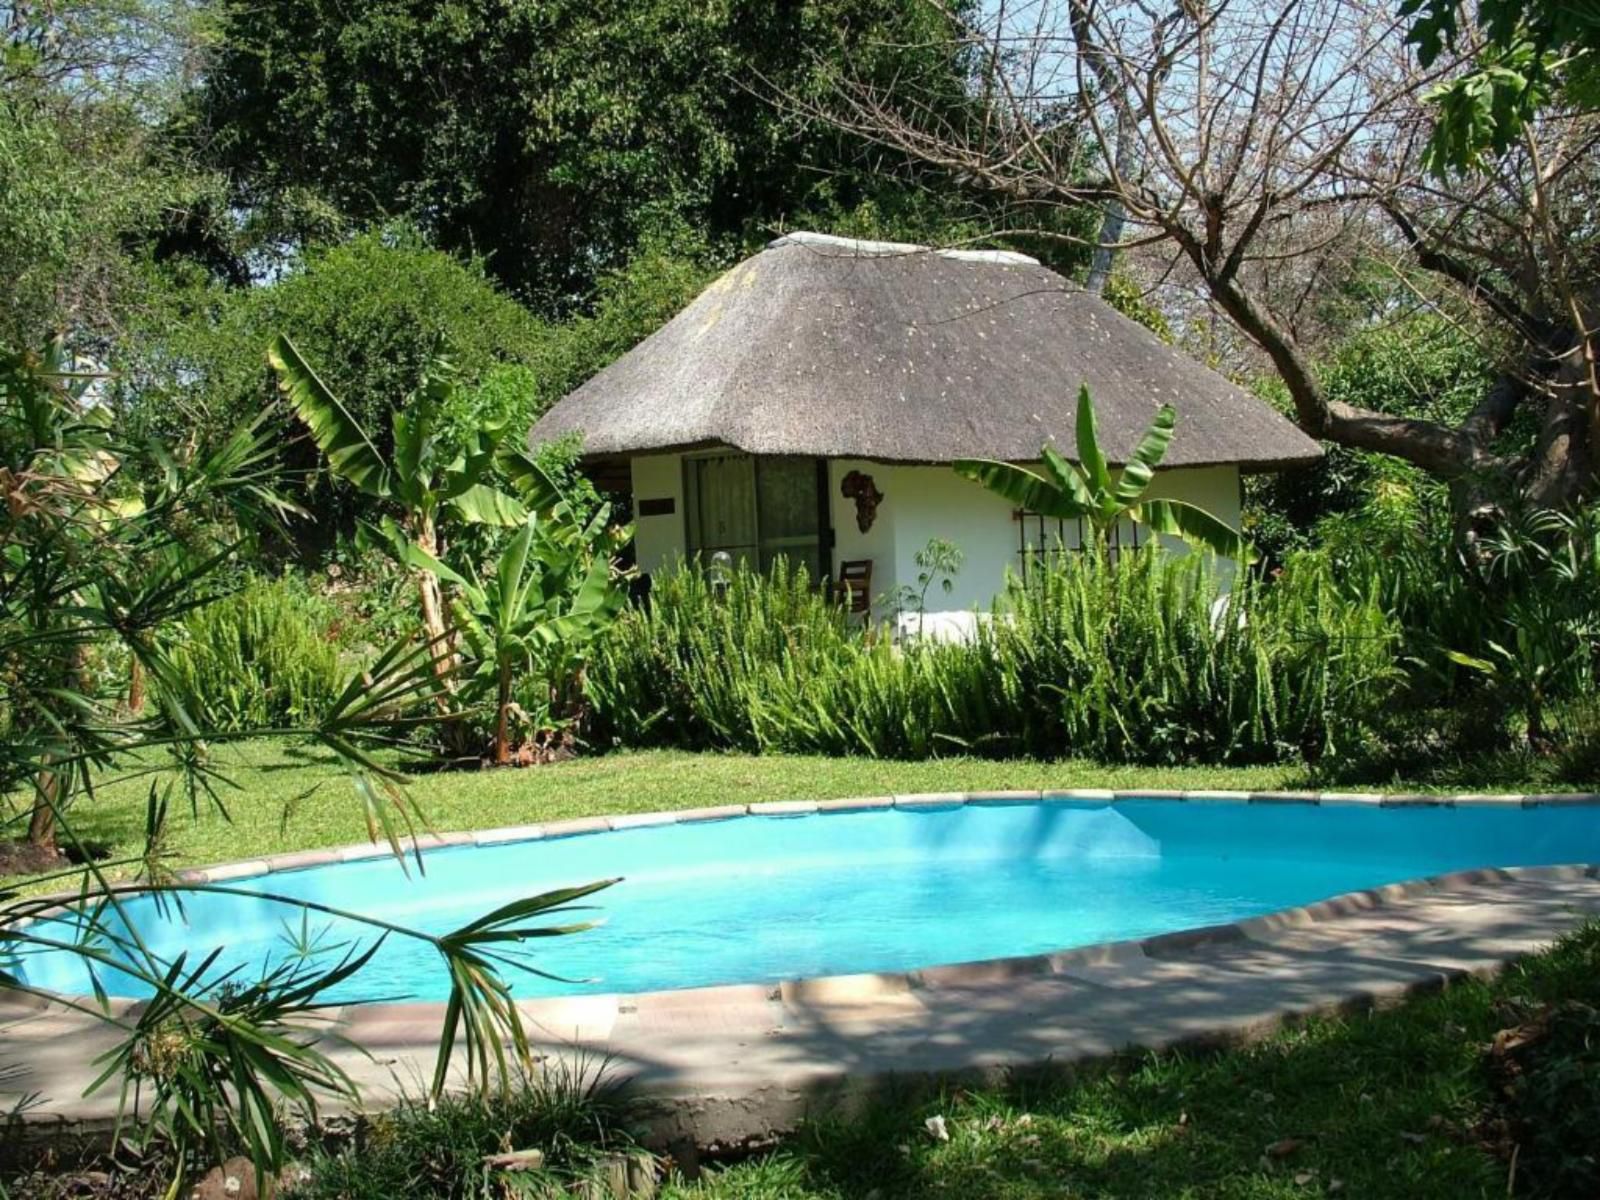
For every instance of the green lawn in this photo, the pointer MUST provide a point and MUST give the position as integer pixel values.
(286, 797)
(1418, 1101)
(292, 798)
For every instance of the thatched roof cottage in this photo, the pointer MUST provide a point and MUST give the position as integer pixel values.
(808, 402)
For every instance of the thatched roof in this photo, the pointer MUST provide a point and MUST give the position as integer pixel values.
(834, 348)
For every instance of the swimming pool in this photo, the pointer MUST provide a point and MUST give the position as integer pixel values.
(776, 895)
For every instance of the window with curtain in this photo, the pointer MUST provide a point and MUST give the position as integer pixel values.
(757, 509)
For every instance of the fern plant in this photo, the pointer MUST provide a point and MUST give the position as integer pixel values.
(262, 657)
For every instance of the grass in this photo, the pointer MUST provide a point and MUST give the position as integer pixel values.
(282, 797)
(1396, 1103)
(294, 798)
(1406, 1101)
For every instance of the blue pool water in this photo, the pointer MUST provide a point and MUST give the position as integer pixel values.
(766, 898)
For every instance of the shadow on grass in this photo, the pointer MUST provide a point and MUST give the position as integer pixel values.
(295, 757)
(1397, 1102)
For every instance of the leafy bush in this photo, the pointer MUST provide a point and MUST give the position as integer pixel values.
(438, 1149)
(1141, 659)
(695, 669)
(1497, 631)
(265, 656)
(1146, 659)
(372, 313)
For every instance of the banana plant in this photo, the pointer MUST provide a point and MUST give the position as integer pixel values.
(425, 478)
(105, 541)
(1088, 490)
(552, 592)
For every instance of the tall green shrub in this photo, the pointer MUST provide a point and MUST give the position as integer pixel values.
(692, 668)
(265, 656)
(373, 313)
(1140, 658)
(1146, 658)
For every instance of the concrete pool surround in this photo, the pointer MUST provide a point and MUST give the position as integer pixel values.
(298, 860)
(739, 1060)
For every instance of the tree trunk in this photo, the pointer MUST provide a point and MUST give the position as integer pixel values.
(502, 714)
(1561, 468)
(48, 790)
(433, 621)
(136, 686)
(1115, 212)
(42, 821)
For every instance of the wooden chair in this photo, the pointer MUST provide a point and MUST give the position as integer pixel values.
(853, 587)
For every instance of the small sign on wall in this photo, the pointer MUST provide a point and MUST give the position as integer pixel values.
(665, 506)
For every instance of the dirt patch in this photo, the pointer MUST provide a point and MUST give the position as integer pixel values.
(19, 858)
(25, 858)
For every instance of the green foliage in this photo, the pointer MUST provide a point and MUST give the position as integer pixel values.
(1535, 52)
(372, 314)
(1086, 489)
(429, 475)
(553, 587)
(1538, 636)
(1544, 1063)
(559, 463)
(265, 657)
(938, 561)
(95, 52)
(1137, 659)
(1498, 634)
(1144, 660)
(552, 137)
(1422, 365)
(437, 460)
(71, 192)
(1124, 295)
(1482, 112)
(89, 187)
(527, 625)
(109, 542)
(694, 670)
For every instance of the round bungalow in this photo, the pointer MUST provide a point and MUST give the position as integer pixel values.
(809, 401)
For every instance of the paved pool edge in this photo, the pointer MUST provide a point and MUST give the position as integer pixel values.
(727, 1063)
(1079, 797)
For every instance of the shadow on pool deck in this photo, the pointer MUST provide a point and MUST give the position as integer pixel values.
(725, 1064)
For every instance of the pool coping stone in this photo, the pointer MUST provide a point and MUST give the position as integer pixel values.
(851, 1007)
(297, 860)
(740, 1027)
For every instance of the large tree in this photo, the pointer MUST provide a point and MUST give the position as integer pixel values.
(86, 183)
(1245, 140)
(1532, 53)
(546, 135)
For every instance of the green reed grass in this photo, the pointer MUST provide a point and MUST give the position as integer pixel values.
(1142, 658)
(265, 656)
